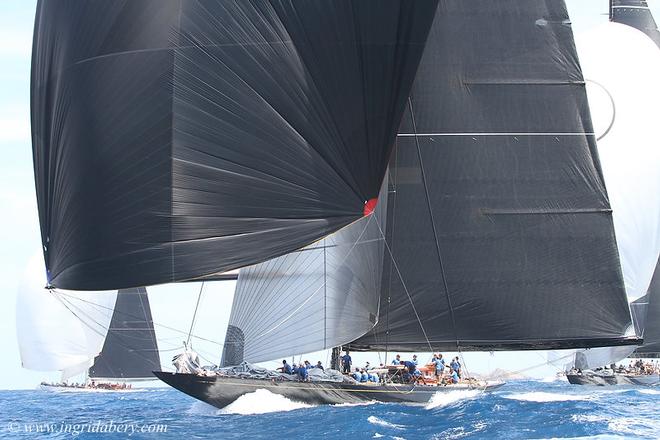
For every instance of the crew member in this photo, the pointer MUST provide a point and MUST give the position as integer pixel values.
(346, 363)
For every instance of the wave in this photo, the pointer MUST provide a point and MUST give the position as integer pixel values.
(652, 392)
(380, 422)
(553, 378)
(261, 402)
(199, 408)
(341, 405)
(540, 396)
(441, 398)
(624, 425)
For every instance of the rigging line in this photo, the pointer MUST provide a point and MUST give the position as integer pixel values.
(118, 340)
(318, 289)
(194, 318)
(64, 303)
(435, 232)
(183, 332)
(405, 288)
(393, 221)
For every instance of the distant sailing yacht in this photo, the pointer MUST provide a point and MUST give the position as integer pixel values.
(107, 336)
(388, 175)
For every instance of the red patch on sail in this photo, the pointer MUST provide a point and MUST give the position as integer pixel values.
(370, 205)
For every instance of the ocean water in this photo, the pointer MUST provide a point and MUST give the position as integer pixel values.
(519, 410)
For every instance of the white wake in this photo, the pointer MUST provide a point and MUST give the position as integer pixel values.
(441, 398)
(261, 402)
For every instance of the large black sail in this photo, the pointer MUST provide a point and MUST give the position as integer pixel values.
(500, 227)
(174, 139)
(130, 350)
(651, 319)
(635, 13)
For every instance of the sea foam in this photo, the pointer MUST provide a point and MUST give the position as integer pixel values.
(380, 422)
(441, 398)
(261, 402)
(541, 396)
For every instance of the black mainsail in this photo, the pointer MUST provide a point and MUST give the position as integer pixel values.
(499, 232)
(130, 350)
(635, 13)
(651, 319)
(174, 140)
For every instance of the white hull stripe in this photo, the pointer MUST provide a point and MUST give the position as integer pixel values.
(492, 134)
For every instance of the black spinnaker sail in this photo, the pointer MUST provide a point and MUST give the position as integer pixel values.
(499, 232)
(174, 140)
(130, 351)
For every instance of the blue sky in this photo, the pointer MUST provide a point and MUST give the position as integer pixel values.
(172, 305)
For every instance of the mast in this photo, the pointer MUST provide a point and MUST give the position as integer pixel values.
(334, 358)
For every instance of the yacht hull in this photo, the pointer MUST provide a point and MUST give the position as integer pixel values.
(220, 391)
(613, 379)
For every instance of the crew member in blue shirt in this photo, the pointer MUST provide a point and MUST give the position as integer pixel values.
(454, 376)
(410, 370)
(456, 366)
(439, 365)
(302, 372)
(319, 365)
(285, 368)
(346, 363)
(397, 360)
(414, 359)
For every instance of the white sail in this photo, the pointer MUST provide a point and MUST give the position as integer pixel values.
(59, 330)
(621, 66)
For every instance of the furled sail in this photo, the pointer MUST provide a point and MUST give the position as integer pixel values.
(59, 330)
(130, 350)
(319, 297)
(651, 346)
(635, 13)
(500, 226)
(174, 140)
